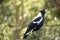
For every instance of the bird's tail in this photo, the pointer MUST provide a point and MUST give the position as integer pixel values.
(27, 33)
(25, 36)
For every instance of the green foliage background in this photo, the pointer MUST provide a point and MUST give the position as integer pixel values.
(19, 13)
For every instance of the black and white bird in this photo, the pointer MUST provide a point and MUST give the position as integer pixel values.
(36, 23)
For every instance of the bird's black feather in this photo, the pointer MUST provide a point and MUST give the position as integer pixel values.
(35, 24)
(37, 19)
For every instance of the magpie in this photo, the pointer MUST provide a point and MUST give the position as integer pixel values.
(36, 23)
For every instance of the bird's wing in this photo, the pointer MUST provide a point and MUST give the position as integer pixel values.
(38, 20)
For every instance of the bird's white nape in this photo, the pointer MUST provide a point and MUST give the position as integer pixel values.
(39, 15)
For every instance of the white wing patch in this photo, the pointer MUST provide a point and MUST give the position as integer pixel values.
(38, 21)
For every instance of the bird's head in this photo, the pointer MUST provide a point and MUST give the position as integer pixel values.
(43, 11)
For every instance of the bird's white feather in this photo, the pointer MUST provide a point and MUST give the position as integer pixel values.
(39, 14)
(38, 21)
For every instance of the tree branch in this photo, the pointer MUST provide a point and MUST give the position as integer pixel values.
(55, 3)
